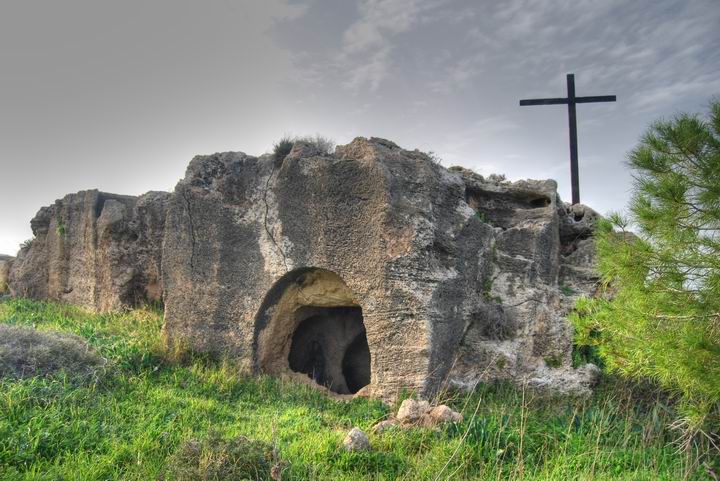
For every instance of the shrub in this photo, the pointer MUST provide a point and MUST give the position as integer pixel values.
(26, 352)
(283, 146)
(660, 317)
(435, 157)
(215, 458)
(323, 144)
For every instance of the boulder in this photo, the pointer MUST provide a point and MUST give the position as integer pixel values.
(260, 254)
(443, 414)
(412, 411)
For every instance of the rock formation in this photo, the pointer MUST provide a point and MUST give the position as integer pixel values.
(102, 251)
(370, 270)
(5, 263)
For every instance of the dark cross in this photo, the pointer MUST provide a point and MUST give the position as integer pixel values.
(571, 100)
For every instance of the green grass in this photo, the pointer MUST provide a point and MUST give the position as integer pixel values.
(129, 424)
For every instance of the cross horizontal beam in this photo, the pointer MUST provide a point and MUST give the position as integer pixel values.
(565, 100)
(570, 101)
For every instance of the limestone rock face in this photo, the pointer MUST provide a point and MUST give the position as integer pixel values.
(542, 258)
(455, 278)
(5, 263)
(98, 250)
(254, 246)
(367, 271)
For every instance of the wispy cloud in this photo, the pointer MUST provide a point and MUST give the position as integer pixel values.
(366, 55)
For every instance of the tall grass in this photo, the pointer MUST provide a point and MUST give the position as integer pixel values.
(129, 424)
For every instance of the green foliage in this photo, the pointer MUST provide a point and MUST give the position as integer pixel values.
(282, 148)
(59, 227)
(554, 361)
(26, 244)
(663, 319)
(583, 354)
(435, 157)
(150, 414)
(487, 287)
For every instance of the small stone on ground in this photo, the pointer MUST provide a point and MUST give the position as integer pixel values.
(356, 440)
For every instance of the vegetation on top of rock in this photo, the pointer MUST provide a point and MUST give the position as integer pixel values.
(282, 147)
(27, 352)
(660, 317)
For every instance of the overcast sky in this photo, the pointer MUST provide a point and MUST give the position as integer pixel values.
(120, 95)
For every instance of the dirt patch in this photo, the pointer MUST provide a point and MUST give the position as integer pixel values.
(27, 352)
(223, 459)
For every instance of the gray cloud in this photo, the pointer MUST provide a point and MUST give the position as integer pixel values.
(120, 95)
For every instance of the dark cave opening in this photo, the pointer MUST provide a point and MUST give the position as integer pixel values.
(329, 345)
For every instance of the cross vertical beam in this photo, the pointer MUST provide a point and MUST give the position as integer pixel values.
(572, 124)
(571, 100)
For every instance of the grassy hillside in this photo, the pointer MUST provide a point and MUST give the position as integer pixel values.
(146, 417)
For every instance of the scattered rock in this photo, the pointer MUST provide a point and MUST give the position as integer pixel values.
(356, 440)
(443, 414)
(384, 425)
(414, 413)
(411, 411)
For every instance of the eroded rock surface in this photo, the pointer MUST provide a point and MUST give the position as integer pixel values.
(5, 263)
(541, 258)
(93, 249)
(368, 271)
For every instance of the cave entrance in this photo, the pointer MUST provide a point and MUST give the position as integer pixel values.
(310, 324)
(330, 347)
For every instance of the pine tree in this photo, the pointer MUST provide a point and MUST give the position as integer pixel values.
(660, 315)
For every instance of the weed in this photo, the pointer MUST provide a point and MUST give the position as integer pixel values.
(487, 287)
(59, 227)
(554, 361)
(435, 157)
(283, 147)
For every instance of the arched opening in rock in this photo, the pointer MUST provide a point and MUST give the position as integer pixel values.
(311, 325)
(330, 347)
